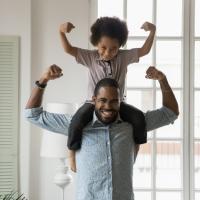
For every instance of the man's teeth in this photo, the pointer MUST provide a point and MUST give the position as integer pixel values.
(107, 113)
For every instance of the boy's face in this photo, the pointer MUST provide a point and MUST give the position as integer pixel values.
(108, 48)
(107, 104)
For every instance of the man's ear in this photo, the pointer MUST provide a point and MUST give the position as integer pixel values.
(94, 98)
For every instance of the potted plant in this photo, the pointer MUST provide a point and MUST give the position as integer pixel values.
(12, 196)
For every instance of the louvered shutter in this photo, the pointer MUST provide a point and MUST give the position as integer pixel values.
(9, 84)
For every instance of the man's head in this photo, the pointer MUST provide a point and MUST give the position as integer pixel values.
(107, 100)
(108, 34)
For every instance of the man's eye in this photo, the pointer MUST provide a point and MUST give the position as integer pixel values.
(115, 102)
(102, 100)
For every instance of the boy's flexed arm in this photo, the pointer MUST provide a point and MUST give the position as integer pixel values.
(145, 49)
(66, 28)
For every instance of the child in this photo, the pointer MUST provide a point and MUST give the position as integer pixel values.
(108, 34)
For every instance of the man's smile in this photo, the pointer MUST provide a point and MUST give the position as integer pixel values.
(107, 113)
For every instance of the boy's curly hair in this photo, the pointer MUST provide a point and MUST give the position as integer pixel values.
(111, 27)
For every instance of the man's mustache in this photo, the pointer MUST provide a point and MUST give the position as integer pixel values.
(108, 110)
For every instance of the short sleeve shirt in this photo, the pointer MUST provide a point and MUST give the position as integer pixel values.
(99, 69)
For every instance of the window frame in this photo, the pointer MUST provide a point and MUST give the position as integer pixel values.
(187, 90)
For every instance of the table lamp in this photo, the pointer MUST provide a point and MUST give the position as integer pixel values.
(54, 145)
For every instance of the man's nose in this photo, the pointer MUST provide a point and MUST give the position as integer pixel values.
(107, 105)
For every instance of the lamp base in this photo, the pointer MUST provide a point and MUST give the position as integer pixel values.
(62, 178)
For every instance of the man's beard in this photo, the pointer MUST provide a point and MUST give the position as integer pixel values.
(97, 112)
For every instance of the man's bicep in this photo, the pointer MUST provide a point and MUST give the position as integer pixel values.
(58, 123)
(158, 118)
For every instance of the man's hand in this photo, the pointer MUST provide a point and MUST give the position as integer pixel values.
(153, 73)
(147, 26)
(35, 99)
(66, 27)
(53, 72)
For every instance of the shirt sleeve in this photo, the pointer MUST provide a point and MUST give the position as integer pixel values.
(85, 57)
(131, 55)
(58, 123)
(160, 117)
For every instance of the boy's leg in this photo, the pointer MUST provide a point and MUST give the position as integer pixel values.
(81, 118)
(135, 117)
(72, 160)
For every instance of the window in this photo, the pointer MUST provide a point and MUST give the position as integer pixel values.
(9, 68)
(170, 161)
(195, 46)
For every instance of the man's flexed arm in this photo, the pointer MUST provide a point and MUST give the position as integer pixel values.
(66, 28)
(35, 100)
(168, 97)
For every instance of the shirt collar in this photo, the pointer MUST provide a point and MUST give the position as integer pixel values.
(98, 57)
(96, 121)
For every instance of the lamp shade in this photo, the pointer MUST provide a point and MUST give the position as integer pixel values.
(53, 144)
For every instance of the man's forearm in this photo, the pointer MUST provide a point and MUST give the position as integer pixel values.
(169, 99)
(36, 97)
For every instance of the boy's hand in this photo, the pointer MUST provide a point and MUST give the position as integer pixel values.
(147, 26)
(53, 72)
(153, 73)
(66, 27)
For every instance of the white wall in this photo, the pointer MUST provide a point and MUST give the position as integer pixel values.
(72, 87)
(15, 20)
(37, 23)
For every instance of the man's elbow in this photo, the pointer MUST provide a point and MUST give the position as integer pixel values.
(28, 114)
(176, 111)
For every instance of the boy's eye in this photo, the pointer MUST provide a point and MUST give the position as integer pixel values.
(113, 49)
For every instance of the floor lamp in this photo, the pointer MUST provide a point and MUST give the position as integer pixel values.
(55, 145)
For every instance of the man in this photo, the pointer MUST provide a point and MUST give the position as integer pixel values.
(105, 160)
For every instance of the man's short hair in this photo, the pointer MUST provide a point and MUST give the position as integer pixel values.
(105, 82)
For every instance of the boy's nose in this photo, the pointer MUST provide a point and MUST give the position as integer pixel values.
(108, 52)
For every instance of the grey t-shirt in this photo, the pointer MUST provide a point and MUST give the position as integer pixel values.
(99, 69)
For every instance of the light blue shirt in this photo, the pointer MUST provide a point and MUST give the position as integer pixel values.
(105, 161)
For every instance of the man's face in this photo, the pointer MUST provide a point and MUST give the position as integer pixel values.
(107, 104)
(108, 48)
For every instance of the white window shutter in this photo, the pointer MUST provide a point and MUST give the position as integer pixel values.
(9, 115)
